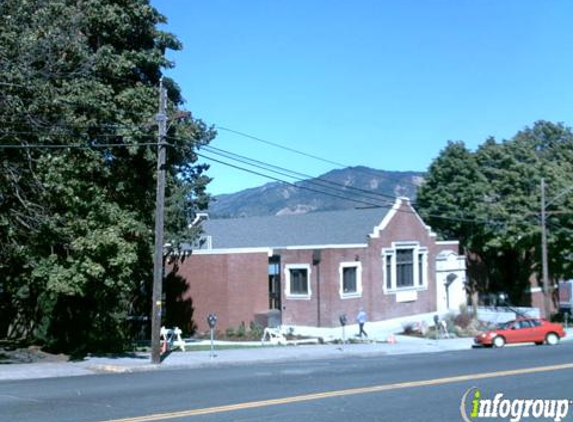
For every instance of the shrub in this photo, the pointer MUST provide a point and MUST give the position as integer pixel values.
(255, 330)
(463, 320)
(242, 330)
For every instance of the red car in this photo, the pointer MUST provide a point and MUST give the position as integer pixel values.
(522, 330)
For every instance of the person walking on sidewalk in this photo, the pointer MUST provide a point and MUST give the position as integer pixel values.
(361, 318)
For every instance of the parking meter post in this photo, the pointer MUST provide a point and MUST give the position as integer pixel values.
(343, 321)
(212, 321)
(437, 326)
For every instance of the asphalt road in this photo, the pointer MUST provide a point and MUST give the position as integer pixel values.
(424, 387)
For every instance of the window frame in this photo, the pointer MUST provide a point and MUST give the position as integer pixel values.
(350, 264)
(405, 274)
(419, 267)
(301, 296)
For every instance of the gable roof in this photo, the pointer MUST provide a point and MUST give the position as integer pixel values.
(346, 227)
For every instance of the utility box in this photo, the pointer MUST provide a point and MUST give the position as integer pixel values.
(270, 319)
(566, 296)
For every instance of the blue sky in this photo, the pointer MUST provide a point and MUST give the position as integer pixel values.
(378, 83)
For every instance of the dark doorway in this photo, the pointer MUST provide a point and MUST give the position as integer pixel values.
(275, 282)
(449, 280)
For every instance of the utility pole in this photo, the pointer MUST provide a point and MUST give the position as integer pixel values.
(544, 258)
(161, 119)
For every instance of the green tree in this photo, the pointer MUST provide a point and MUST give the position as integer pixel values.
(76, 223)
(450, 201)
(490, 200)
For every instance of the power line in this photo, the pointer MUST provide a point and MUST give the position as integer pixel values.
(48, 133)
(269, 167)
(218, 151)
(302, 153)
(301, 177)
(286, 182)
(298, 186)
(265, 166)
(337, 187)
(65, 146)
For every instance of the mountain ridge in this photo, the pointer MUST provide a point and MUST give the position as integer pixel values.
(338, 189)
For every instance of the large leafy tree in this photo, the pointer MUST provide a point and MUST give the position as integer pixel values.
(78, 94)
(490, 200)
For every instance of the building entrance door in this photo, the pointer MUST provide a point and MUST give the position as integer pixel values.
(275, 303)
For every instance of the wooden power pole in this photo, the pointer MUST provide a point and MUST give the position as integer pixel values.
(156, 308)
(544, 256)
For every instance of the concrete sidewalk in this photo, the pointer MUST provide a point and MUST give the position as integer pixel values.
(202, 359)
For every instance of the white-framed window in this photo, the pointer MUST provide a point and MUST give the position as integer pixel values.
(297, 278)
(405, 267)
(350, 276)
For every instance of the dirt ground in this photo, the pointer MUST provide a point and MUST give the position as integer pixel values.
(11, 354)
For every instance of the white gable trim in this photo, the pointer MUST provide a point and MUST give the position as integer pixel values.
(428, 228)
(268, 251)
(396, 208)
(386, 220)
(448, 242)
(304, 247)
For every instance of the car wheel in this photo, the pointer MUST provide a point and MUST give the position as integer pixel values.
(552, 339)
(499, 341)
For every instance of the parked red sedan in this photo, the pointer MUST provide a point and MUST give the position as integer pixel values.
(522, 330)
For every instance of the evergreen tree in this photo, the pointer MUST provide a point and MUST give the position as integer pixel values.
(490, 200)
(76, 222)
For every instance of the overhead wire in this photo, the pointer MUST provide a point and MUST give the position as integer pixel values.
(301, 177)
(304, 154)
(270, 167)
(318, 182)
(369, 204)
(287, 182)
(338, 188)
(322, 159)
(262, 166)
(72, 146)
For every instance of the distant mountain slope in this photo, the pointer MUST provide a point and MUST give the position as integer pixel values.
(365, 186)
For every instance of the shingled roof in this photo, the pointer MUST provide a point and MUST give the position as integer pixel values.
(312, 229)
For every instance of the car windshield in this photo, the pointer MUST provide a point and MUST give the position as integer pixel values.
(504, 325)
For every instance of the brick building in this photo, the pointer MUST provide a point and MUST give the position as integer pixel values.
(308, 269)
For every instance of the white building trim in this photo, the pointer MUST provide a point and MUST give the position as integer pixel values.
(268, 251)
(386, 220)
(390, 215)
(288, 294)
(358, 292)
(418, 252)
(305, 247)
(447, 242)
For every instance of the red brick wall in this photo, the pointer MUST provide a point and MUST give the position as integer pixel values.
(233, 286)
(405, 226)
(305, 312)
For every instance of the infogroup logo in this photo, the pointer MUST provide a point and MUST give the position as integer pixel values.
(474, 407)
